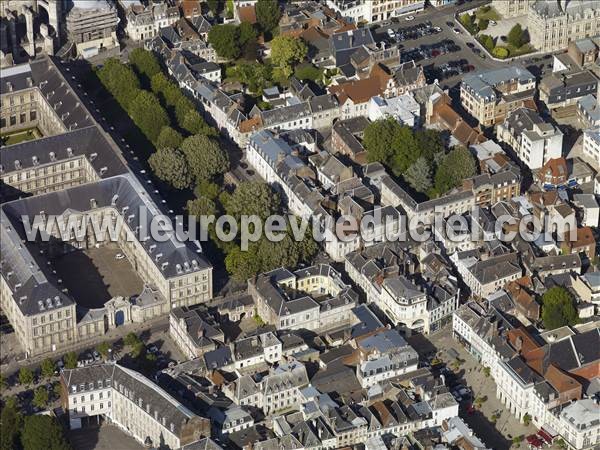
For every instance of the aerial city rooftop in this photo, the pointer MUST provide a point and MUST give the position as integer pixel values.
(434, 283)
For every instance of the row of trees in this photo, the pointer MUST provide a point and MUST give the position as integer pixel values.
(152, 110)
(30, 432)
(420, 156)
(250, 198)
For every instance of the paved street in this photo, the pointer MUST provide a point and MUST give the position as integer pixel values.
(106, 437)
(470, 373)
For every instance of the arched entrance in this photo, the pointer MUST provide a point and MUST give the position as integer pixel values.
(119, 318)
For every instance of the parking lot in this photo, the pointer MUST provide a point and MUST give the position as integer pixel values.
(435, 42)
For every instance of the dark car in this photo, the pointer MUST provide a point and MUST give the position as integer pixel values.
(470, 45)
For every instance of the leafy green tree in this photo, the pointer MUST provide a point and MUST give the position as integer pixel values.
(145, 64)
(207, 189)
(242, 265)
(255, 76)
(166, 90)
(268, 15)
(517, 36)
(558, 308)
(193, 123)
(120, 80)
(3, 383)
(103, 349)
(286, 51)
(183, 106)
(201, 206)
(171, 166)
(25, 376)
(131, 339)
(455, 167)
(253, 198)
(483, 24)
(418, 175)
(468, 22)
(406, 150)
(169, 138)
(308, 72)
(138, 349)
(48, 367)
(11, 423)
(204, 156)
(225, 41)
(215, 6)
(40, 397)
(500, 52)
(527, 419)
(429, 142)
(378, 139)
(487, 41)
(148, 114)
(70, 360)
(246, 34)
(43, 432)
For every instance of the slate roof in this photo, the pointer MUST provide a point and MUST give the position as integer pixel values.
(172, 257)
(135, 387)
(47, 76)
(89, 142)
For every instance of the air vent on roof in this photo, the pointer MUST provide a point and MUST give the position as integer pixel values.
(113, 201)
(35, 161)
(164, 265)
(17, 164)
(41, 305)
(178, 268)
(186, 266)
(52, 156)
(103, 170)
(69, 152)
(93, 156)
(57, 301)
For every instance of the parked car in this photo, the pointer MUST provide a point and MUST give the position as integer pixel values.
(456, 31)
(409, 18)
(119, 256)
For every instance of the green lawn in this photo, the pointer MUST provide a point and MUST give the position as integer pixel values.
(21, 136)
(492, 14)
(527, 48)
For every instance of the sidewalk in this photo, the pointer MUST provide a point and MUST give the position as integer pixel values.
(158, 324)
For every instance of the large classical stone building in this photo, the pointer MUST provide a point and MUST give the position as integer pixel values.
(76, 174)
(133, 403)
(553, 24)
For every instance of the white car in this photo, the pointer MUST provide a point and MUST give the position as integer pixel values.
(456, 30)
(493, 22)
(409, 18)
(119, 256)
(391, 33)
